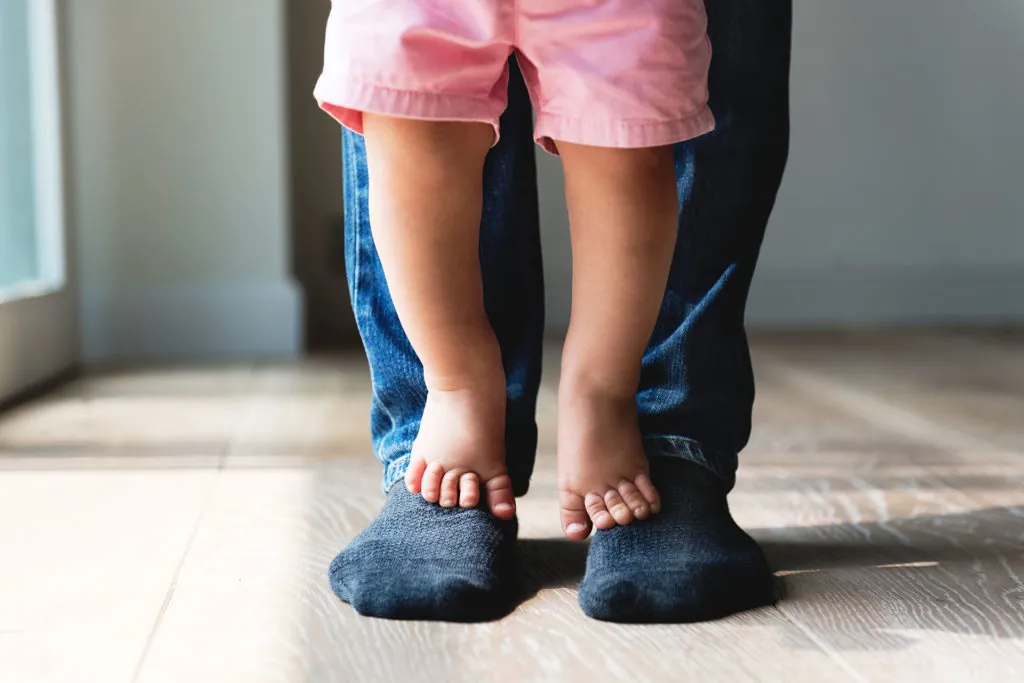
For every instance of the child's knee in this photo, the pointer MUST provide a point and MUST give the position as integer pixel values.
(624, 167)
(432, 148)
(640, 162)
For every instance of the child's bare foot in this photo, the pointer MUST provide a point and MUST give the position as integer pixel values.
(603, 474)
(460, 450)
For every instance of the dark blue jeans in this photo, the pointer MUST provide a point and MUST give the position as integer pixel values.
(697, 386)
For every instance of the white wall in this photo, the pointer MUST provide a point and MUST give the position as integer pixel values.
(902, 201)
(904, 197)
(179, 185)
(316, 185)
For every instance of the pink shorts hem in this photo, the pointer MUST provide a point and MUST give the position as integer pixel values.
(347, 99)
(620, 134)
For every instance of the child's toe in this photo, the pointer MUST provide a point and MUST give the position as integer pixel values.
(575, 522)
(635, 500)
(414, 475)
(500, 498)
(450, 487)
(598, 511)
(617, 507)
(431, 483)
(469, 490)
(650, 494)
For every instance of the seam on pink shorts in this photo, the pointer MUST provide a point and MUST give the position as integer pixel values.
(619, 133)
(346, 99)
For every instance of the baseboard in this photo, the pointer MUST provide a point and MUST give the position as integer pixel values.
(37, 341)
(34, 390)
(264, 319)
(887, 297)
(193, 321)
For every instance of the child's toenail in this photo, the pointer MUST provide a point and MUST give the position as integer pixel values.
(576, 528)
(502, 507)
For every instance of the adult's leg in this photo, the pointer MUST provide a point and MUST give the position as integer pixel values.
(513, 297)
(697, 387)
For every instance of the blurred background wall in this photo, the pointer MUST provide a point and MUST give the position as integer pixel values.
(317, 220)
(179, 172)
(207, 188)
(903, 201)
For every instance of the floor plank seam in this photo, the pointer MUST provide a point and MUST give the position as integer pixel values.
(885, 485)
(169, 596)
(230, 447)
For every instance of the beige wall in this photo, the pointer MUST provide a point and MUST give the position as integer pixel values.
(179, 177)
(204, 176)
(903, 199)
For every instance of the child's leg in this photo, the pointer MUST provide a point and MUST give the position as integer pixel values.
(425, 205)
(623, 216)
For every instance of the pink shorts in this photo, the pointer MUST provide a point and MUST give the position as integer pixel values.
(608, 73)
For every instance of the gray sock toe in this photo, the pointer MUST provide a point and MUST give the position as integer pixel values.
(417, 560)
(690, 562)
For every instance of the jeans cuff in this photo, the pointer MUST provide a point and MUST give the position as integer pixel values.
(721, 464)
(394, 471)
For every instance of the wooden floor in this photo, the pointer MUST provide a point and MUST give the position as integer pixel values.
(175, 525)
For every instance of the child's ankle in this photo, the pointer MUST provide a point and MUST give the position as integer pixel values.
(605, 387)
(482, 379)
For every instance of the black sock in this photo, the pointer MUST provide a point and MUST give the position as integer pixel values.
(418, 560)
(690, 562)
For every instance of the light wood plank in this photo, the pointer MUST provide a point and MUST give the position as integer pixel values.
(252, 604)
(916, 581)
(905, 562)
(141, 412)
(963, 391)
(88, 558)
(102, 486)
(885, 477)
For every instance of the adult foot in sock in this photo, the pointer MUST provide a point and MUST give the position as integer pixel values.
(602, 470)
(691, 562)
(417, 560)
(459, 453)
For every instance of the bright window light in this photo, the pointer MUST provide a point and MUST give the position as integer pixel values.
(31, 195)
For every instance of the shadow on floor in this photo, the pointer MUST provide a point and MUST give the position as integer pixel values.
(551, 563)
(959, 573)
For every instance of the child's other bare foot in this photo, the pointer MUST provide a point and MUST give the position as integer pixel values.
(459, 454)
(603, 474)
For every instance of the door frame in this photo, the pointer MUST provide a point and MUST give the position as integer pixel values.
(39, 319)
